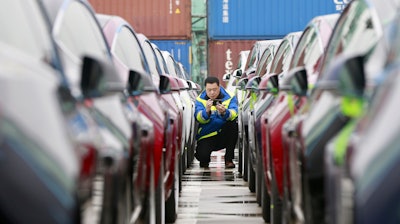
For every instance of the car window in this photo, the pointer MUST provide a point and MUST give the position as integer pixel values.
(23, 26)
(251, 58)
(242, 59)
(127, 49)
(77, 19)
(178, 70)
(309, 51)
(269, 61)
(171, 66)
(151, 59)
(282, 58)
(239, 65)
(298, 56)
(355, 33)
(161, 61)
(264, 62)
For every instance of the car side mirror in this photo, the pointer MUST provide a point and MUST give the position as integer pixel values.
(165, 84)
(66, 98)
(198, 87)
(299, 81)
(273, 84)
(226, 77)
(139, 82)
(241, 85)
(192, 85)
(345, 76)
(352, 77)
(93, 82)
(253, 83)
(237, 73)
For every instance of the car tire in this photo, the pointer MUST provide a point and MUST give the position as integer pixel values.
(276, 202)
(259, 179)
(286, 202)
(125, 202)
(181, 172)
(171, 204)
(149, 208)
(251, 175)
(265, 202)
(160, 196)
(245, 156)
(240, 156)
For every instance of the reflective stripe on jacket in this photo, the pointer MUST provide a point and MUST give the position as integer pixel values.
(210, 125)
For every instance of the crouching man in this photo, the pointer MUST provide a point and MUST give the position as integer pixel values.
(216, 112)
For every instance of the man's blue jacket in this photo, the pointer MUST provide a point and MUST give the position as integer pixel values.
(210, 125)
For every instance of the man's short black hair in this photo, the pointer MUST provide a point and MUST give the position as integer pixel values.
(211, 79)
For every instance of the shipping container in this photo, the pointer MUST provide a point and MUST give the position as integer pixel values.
(264, 19)
(199, 14)
(156, 19)
(179, 49)
(223, 56)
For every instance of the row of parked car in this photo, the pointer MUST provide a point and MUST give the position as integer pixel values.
(96, 122)
(318, 120)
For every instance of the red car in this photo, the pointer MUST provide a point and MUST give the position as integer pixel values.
(132, 64)
(261, 99)
(306, 62)
(172, 158)
(273, 119)
(246, 105)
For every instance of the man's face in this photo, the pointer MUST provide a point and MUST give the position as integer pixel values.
(212, 90)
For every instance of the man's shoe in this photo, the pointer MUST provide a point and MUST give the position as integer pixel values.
(204, 165)
(229, 165)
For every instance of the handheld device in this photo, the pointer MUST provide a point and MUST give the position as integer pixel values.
(216, 101)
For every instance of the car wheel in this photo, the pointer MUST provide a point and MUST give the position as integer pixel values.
(251, 174)
(276, 202)
(171, 205)
(184, 159)
(125, 204)
(265, 202)
(296, 186)
(160, 196)
(259, 175)
(149, 208)
(286, 202)
(240, 156)
(180, 171)
(245, 156)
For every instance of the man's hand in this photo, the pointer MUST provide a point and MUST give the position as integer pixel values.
(221, 109)
(208, 106)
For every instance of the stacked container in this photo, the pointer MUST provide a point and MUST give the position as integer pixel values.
(264, 19)
(168, 19)
(223, 56)
(167, 23)
(234, 25)
(179, 49)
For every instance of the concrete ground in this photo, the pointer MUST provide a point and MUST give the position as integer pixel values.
(216, 195)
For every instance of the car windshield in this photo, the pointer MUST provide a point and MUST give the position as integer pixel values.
(23, 26)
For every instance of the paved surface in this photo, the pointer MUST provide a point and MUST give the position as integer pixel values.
(216, 195)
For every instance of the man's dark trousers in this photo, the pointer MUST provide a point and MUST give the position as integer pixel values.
(227, 138)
